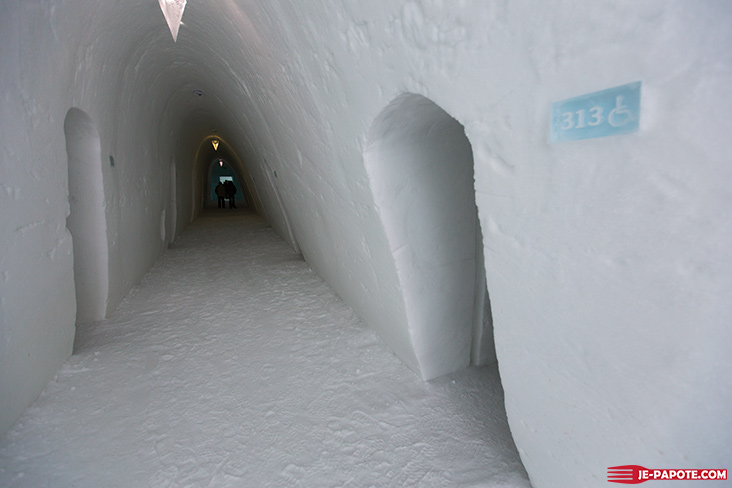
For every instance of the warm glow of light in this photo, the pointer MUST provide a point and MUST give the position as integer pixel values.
(215, 143)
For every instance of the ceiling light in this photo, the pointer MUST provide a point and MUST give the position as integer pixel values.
(173, 12)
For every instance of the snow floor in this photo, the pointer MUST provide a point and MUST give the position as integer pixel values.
(232, 364)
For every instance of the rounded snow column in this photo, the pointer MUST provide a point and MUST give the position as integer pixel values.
(87, 222)
(420, 164)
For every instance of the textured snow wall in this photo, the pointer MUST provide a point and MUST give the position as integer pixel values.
(607, 259)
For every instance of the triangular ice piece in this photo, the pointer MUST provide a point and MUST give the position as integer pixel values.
(173, 12)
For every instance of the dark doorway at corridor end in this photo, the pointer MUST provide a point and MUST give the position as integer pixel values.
(219, 172)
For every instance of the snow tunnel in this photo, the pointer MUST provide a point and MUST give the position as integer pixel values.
(86, 221)
(420, 164)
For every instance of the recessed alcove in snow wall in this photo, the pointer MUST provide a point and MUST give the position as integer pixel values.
(87, 221)
(420, 164)
(172, 214)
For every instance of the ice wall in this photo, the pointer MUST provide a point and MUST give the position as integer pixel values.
(606, 259)
(37, 298)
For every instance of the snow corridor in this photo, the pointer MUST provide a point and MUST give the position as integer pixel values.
(233, 364)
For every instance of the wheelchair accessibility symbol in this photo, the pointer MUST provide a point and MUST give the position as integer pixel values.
(605, 113)
(621, 114)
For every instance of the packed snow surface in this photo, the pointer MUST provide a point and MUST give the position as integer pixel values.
(233, 364)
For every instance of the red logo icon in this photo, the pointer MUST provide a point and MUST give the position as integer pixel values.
(629, 474)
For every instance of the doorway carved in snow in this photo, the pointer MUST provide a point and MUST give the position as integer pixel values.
(87, 221)
(220, 170)
(420, 164)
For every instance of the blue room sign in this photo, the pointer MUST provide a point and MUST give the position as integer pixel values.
(604, 113)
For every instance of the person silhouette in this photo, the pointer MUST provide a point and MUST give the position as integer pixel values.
(230, 193)
(220, 191)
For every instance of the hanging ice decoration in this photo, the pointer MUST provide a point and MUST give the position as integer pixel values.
(173, 12)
